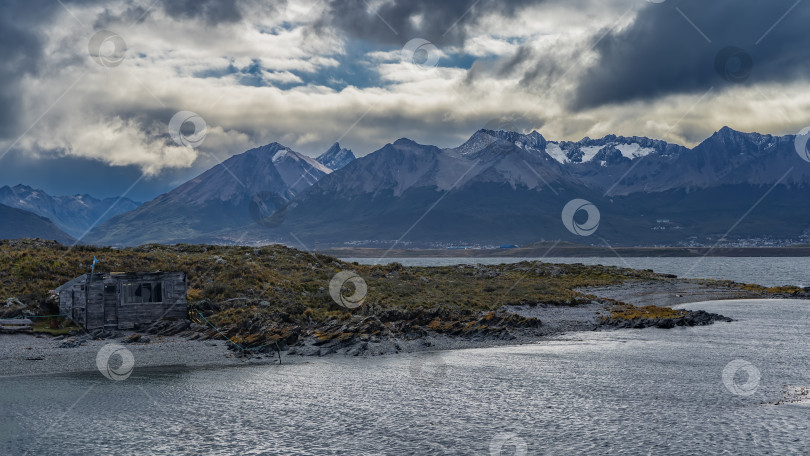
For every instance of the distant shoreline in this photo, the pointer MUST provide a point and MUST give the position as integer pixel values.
(571, 251)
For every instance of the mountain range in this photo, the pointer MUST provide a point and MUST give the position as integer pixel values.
(498, 187)
(74, 215)
(502, 187)
(242, 190)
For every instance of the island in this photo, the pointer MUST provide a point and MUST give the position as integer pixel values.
(276, 304)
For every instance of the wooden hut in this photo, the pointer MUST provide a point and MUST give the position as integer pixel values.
(125, 300)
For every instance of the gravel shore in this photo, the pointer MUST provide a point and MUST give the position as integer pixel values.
(26, 354)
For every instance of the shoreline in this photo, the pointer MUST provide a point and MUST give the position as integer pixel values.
(567, 250)
(36, 355)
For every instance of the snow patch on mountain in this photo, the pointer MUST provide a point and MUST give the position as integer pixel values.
(634, 150)
(556, 152)
(566, 153)
(279, 155)
(589, 152)
(296, 162)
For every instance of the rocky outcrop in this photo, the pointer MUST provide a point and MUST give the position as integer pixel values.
(691, 318)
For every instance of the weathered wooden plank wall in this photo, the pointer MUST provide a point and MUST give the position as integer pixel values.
(95, 303)
(105, 303)
(173, 306)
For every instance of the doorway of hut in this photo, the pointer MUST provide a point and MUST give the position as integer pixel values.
(110, 306)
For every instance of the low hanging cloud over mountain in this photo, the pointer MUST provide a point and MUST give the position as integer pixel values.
(101, 80)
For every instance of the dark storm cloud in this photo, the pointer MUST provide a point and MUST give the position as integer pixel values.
(661, 53)
(213, 12)
(24, 22)
(512, 63)
(132, 15)
(536, 72)
(20, 55)
(22, 27)
(396, 22)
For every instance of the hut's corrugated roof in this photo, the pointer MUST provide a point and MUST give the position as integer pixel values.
(70, 283)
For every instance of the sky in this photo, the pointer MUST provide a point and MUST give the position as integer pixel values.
(135, 97)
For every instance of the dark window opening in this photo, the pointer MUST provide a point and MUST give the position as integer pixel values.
(135, 293)
(145, 291)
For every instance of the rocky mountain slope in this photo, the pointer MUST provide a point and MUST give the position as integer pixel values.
(74, 215)
(232, 194)
(17, 223)
(336, 157)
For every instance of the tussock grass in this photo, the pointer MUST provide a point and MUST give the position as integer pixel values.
(293, 280)
(272, 293)
(630, 312)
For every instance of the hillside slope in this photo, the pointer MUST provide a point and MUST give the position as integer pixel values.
(17, 223)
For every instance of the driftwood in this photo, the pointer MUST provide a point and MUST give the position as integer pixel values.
(16, 325)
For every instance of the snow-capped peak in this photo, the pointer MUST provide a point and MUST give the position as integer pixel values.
(336, 157)
(483, 138)
(587, 149)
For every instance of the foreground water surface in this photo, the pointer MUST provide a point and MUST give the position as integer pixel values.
(708, 390)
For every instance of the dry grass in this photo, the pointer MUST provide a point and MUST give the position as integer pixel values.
(630, 312)
(772, 290)
(262, 295)
(293, 280)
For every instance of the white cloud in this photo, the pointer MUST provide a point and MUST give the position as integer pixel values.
(282, 76)
(119, 115)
